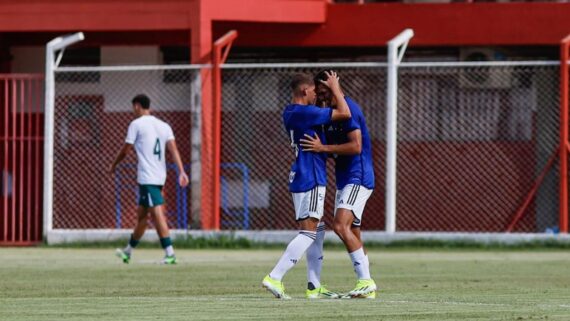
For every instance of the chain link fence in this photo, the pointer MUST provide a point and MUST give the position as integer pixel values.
(472, 142)
(92, 113)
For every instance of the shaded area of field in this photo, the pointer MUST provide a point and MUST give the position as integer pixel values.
(91, 284)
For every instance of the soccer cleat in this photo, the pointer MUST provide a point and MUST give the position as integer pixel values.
(321, 293)
(169, 260)
(371, 295)
(123, 255)
(275, 287)
(364, 289)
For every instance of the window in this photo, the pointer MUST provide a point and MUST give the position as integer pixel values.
(80, 57)
(176, 55)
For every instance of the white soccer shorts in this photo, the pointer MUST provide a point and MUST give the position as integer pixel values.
(310, 203)
(353, 198)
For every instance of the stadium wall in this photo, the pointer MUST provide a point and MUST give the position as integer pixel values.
(284, 237)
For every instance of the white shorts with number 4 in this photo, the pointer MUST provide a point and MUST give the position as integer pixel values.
(353, 198)
(310, 203)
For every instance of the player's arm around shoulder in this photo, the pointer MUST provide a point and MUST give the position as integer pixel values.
(354, 144)
(352, 147)
(182, 177)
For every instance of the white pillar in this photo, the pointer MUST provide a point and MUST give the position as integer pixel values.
(394, 59)
(57, 44)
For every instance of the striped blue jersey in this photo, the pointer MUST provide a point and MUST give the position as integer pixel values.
(352, 169)
(309, 168)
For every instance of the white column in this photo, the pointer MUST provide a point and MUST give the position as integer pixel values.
(394, 59)
(57, 44)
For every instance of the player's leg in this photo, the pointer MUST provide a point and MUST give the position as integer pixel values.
(140, 228)
(356, 230)
(365, 266)
(348, 216)
(163, 232)
(315, 259)
(138, 232)
(308, 215)
(342, 226)
(160, 223)
(316, 290)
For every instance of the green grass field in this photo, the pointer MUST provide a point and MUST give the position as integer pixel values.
(92, 284)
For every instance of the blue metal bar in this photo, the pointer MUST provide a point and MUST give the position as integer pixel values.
(118, 189)
(185, 199)
(178, 201)
(245, 186)
(245, 197)
(117, 200)
(177, 190)
(224, 187)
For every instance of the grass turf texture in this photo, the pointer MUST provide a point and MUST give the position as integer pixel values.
(92, 284)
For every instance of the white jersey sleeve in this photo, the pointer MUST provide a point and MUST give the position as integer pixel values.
(131, 133)
(169, 133)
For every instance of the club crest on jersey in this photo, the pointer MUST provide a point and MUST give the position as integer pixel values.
(291, 176)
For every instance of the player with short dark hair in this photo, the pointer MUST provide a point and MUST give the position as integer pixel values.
(141, 100)
(308, 177)
(150, 136)
(350, 145)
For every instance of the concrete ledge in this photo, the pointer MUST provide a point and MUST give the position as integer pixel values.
(283, 237)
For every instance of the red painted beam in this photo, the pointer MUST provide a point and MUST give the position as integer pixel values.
(151, 15)
(299, 22)
(456, 24)
(96, 15)
(276, 11)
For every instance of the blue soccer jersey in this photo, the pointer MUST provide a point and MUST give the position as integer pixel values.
(352, 169)
(309, 168)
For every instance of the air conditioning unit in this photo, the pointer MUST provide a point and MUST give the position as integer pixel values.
(484, 76)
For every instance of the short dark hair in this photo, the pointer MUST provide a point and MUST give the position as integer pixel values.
(142, 100)
(299, 80)
(322, 75)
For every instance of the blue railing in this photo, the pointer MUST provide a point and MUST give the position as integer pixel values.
(225, 206)
(182, 196)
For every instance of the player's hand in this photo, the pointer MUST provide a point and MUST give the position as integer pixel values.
(311, 144)
(112, 169)
(183, 179)
(332, 81)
